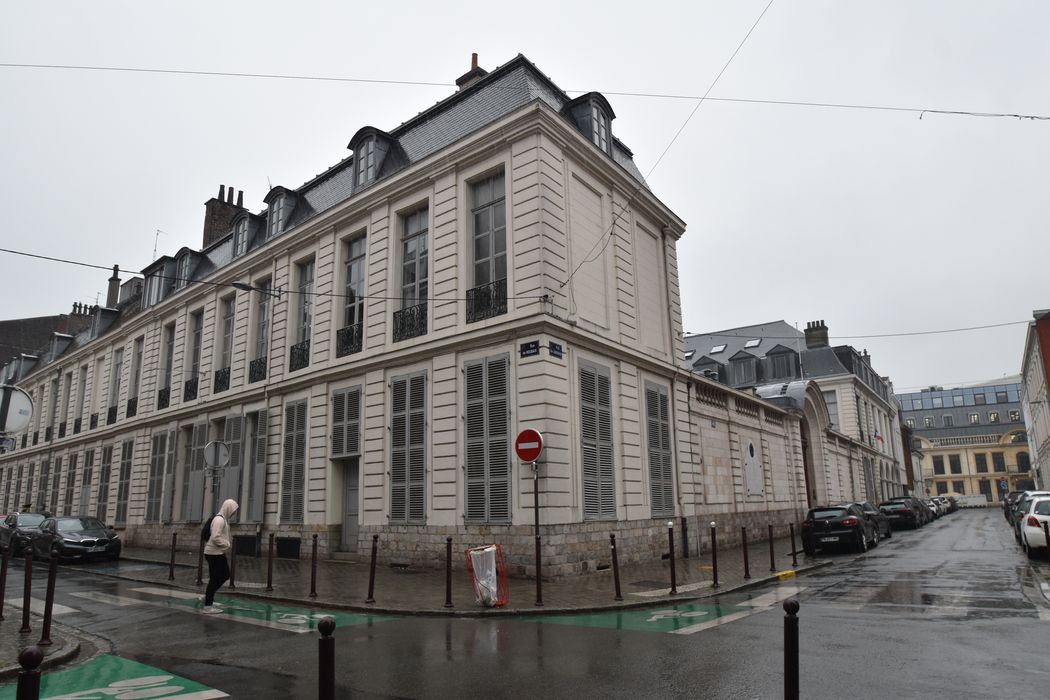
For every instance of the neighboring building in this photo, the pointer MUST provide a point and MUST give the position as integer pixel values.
(27, 335)
(973, 439)
(370, 343)
(862, 440)
(1035, 393)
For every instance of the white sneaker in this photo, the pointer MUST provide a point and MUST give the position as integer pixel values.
(211, 610)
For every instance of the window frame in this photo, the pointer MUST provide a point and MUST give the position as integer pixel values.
(355, 272)
(420, 285)
(496, 231)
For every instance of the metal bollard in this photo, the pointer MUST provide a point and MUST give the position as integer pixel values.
(794, 552)
(1046, 534)
(171, 562)
(790, 649)
(670, 545)
(313, 570)
(4, 557)
(326, 659)
(448, 571)
(29, 659)
(714, 555)
(27, 592)
(539, 575)
(616, 566)
(269, 566)
(372, 571)
(200, 564)
(49, 601)
(233, 563)
(747, 563)
(772, 555)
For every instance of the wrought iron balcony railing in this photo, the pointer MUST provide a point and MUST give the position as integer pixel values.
(487, 301)
(164, 398)
(257, 369)
(189, 388)
(348, 340)
(133, 407)
(111, 415)
(299, 356)
(222, 379)
(410, 322)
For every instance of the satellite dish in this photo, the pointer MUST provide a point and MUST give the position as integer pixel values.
(16, 409)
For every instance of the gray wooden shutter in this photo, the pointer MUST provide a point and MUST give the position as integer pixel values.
(417, 467)
(599, 496)
(658, 441)
(346, 423)
(230, 486)
(398, 449)
(474, 378)
(498, 431)
(167, 495)
(257, 494)
(86, 479)
(195, 492)
(158, 454)
(488, 440)
(293, 475)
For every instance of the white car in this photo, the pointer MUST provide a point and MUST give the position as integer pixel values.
(1033, 537)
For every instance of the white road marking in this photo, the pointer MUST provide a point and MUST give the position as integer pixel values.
(37, 606)
(656, 593)
(773, 597)
(675, 614)
(288, 625)
(108, 599)
(168, 593)
(725, 619)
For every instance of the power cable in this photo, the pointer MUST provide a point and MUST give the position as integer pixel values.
(858, 337)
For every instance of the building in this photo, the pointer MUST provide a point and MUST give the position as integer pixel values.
(858, 454)
(973, 439)
(369, 343)
(1035, 394)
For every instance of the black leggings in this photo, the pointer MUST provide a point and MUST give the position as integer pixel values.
(218, 574)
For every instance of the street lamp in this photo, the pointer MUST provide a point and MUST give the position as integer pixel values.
(245, 287)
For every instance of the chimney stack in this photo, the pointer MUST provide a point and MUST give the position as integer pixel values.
(473, 75)
(816, 335)
(113, 293)
(219, 212)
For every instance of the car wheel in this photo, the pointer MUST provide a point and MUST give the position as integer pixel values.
(862, 542)
(875, 538)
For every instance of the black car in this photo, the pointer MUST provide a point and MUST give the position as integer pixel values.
(1009, 501)
(902, 514)
(879, 518)
(18, 529)
(838, 526)
(915, 504)
(75, 537)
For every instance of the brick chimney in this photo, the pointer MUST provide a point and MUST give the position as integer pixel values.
(218, 214)
(113, 292)
(473, 75)
(816, 335)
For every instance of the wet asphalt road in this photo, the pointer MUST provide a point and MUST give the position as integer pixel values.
(943, 611)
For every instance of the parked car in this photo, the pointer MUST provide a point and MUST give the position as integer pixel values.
(879, 518)
(902, 514)
(838, 526)
(75, 537)
(17, 530)
(916, 505)
(1033, 537)
(935, 512)
(1009, 501)
(943, 504)
(1019, 508)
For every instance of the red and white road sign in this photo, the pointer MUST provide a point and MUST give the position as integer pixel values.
(528, 445)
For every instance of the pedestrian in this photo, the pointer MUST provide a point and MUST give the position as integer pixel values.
(215, 552)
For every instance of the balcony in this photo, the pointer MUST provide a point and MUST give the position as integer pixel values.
(222, 380)
(257, 370)
(77, 423)
(189, 388)
(487, 301)
(93, 423)
(133, 407)
(299, 356)
(164, 398)
(111, 415)
(348, 340)
(410, 322)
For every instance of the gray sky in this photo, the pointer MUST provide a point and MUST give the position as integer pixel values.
(875, 221)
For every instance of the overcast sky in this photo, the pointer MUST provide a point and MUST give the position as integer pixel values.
(875, 221)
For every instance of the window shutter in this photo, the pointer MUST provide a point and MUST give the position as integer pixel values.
(498, 435)
(231, 478)
(599, 478)
(661, 481)
(417, 472)
(167, 487)
(408, 449)
(346, 423)
(398, 449)
(476, 441)
(156, 465)
(257, 498)
(294, 473)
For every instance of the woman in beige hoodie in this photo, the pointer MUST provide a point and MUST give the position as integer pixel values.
(215, 552)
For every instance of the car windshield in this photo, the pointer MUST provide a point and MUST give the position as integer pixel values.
(822, 513)
(30, 520)
(77, 524)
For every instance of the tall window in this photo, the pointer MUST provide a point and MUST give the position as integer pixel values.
(262, 317)
(81, 391)
(980, 461)
(255, 500)
(831, 398)
(71, 480)
(182, 272)
(52, 402)
(938, 464)
(196, 333)
(596, 443)
(240, 238)
(169, 354)
(56, 484)
(408, 448)
(658, 444)
(228, 310)
(136, 368)
(354, 303)
(999, 461)
(490, 231)
(365, 159)
(114, 377)
(955, 464)
(959, 487)
(600, 128)
(1024, 464)
(306, 299)
(414, 261)
(276, 216)
(783, 365)
(66, 396)
(293, 471)
(487, 439)
(161, 464)
(104, 469)
(124, 480)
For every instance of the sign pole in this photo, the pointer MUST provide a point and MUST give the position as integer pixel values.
(536, 523)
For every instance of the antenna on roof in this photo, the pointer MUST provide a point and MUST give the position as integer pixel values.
(268, 185)
(155, 237)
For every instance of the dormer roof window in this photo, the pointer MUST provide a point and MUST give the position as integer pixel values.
(275, 218)
(593, 116)
(600, 128)
(240, 237)
(365, 159)
(371, 147)
(182, 271)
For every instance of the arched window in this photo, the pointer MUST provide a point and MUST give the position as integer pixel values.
(240, 237)
(276, 216)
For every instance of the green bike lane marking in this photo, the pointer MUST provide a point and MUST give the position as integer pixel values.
(110, 676)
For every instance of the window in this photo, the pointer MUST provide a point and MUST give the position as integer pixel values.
(948, 420)
(1015, 416)
(240, 237)
(938, 464)
(487, 435)
(414, 262)
(56, 483)
(408, 448)
(194, 440)
(658, 441)
(599, 128)
(196, 331)
(226, 349)
(306, 300)
(980, 461)
(783, 365)
(916, 404)
(490, 231)
(1024, 464)
(955, 464)
(275, 217)
(938, 402)
(993, 416)
(262, 317)
(346, 423)
(928, 421)
(742, 371)
(136, 367)
(942, 488)
(293, 471)
(365, 161)
(104, 469)
(958, 399)
(717, 349)
(831, 398)
(753, 343)
(910, 422)
(349, 337)
(999, 461)
(81, 392)
(596, 443)
(161, 469)
(182, 272)
(1001, 397)
(114, 376)
(959, 487)
(975, 419)
(256, 489)
(86, 481)
(124, 481)
(979, 399)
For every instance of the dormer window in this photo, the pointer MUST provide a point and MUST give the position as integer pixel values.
(276, 216)
(182, 272)
(599, 127)
(240, 237)
(365, 159)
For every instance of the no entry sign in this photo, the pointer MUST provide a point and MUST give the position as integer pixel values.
(528, 445)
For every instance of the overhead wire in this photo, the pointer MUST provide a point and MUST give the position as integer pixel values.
(857, 337)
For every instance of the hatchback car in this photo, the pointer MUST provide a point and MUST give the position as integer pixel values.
(902, 514)
(18, 529)
(1020, 508)
(879, 518)
(838, 526)
(76, 537)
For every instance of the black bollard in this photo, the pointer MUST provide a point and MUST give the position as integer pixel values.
(4, 557)
(790, 649)
(539, 575)
(772, 556)
(29, 659)
(714, 555)
(269, 566)
(448, 571)
(372, 571)
(670, 545)
(313, 570)
(326, 659)
(200, 565)
(27, 592)
(616, 566)
(49, 601)
(233, 563)
(794, 552)
(685, 537)
(1046, 534)
(171, 562)
(747, 563)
